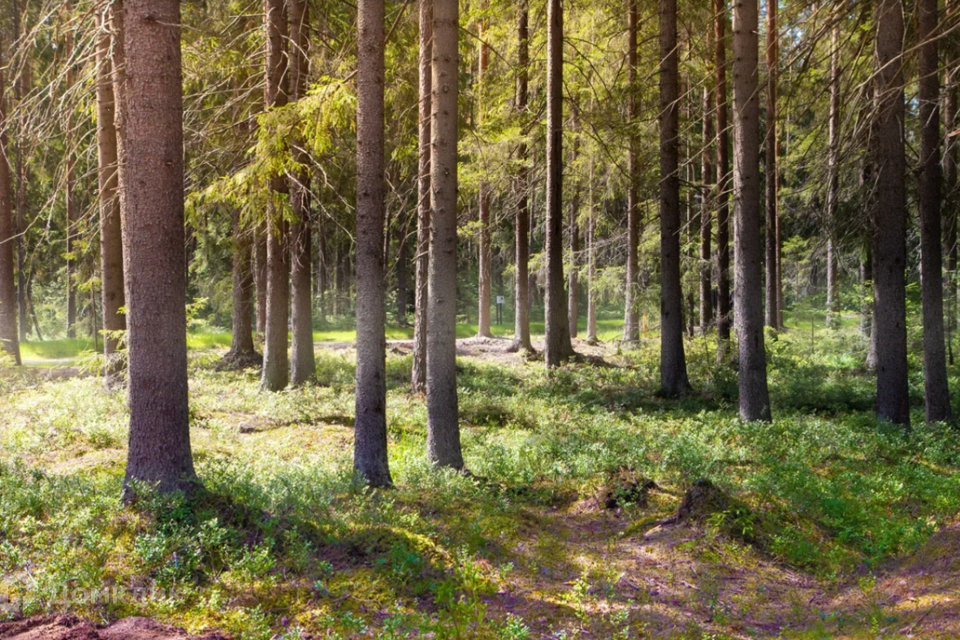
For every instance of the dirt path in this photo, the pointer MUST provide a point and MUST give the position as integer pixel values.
(72, 628)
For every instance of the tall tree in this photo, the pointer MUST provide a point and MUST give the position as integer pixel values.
(276, 372)
(833, 175)
(771, 309)
(591, 263)
(706, 210)
(673, 365)
(111, 237)
(19, 88)
(573, 288)
(558, 347)
(936, 391)
(370, 439)
(631, 326)
(443, 412)
(890, 217)
(748, 247)
(521, 340)
(8, 286)
(951, 147)
(419, 370)
(302, 364)
(70, 201)
(723, 178)
(151, 168)
(483, 204)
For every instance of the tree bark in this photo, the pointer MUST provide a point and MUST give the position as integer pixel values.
(276, 363)
(70, 202)
(302, 363)
(419, 371)
(748, 247)
(483, 202)
(631, 326)
(833, 176)
(151, 172)
(21, 195)
(673, 366)
(952, 89)
(260, 275)
(936, 390)
(111, 236)
(890, 218)
(443, 413)
(558, 347)
(370, 440)
(771, 310)
(521, 340)
(573, 293)
(592, 263)
(723, 180)
(706, 219)
(8, 286)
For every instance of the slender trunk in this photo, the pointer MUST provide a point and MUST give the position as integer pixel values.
(771, 312)
(833, 176)
(723, 180)
(443, 413)
(72, 219)
(573, 294)
(241, 343)
(673, 366)
(370, 440)
(592, 263)
(748, 246)
(558, 348)
(419, 371)
(631, 327)
(402, 274)
(8, 287)
(952, 89)
(521, 339)
(151, 172)
(706, 220)
(276, 363)
(260, 275)
(483, 202)
(302, 363)
(111, 237)
(936, 391)
(866, 284)
(890, 218)
(21, 195)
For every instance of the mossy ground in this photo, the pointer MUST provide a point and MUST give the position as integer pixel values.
(831, 507)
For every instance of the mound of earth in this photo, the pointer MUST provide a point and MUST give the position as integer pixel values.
(626, 487)
(67, 627)
(701, 500)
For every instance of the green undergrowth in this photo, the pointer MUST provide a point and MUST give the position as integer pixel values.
(281, 539)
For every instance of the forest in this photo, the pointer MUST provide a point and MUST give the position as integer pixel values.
(496, 319)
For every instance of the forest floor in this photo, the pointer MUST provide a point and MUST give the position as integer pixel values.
(823, 524)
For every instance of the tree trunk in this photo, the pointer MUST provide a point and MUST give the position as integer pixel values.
(936, 391)
(370, 440)
(591, 263)
(242, 349)
(890, 218)
(573, 293)
(276, 364)
(8, 286)
(21, 195)
(631, 326)
(521, 340)
(443, 414)
(706, 220)
(771, 312)
(952, 89)
(673, 366)
(558, 347)
(72, 219)
(402, 274)
(748, 247)
(419, 371)
(151, 172)
(833, 176)
(866, 283)
(723, 181)
(483, 202)
(302, 363)
(111, 237)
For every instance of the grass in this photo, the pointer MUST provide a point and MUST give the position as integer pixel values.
(282, 541)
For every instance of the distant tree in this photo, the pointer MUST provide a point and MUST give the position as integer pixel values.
(151, 168)
(673, 365)
(558, 347)
(483, 205)
(370, 439)
(443, 413)
(8, 286)
(723, 179)
(111, 237)
(631, 327)
(69, 195)
(276, 364)
(833, 176)
(748, 306)
(521, 340)
(936, 390)
(419, 370)
(772, 179)
(890, 217)
(706, 217)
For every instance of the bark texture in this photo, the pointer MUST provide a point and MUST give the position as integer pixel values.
(443, 412)
(890, 217)
(370, 439)
(723, 179)
(483, 202)
(748, 288)
(771, 308)
(631, 326)
(151, 168)
(673, 365)
(521, 340)
(419, 372)
(706, 218)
